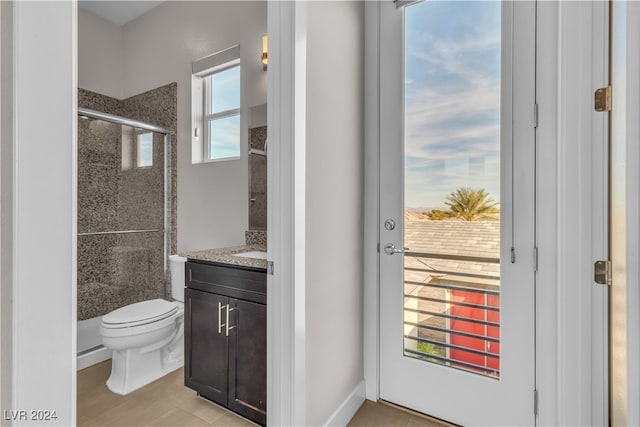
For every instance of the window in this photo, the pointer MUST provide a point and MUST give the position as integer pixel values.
(215, 91)
(144, 153)
(222, 114)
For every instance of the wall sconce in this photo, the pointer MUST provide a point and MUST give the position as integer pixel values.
(265, 51)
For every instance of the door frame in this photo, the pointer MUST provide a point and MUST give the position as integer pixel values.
(286, 170)
(571, 383)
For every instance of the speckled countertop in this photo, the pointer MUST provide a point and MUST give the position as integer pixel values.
(226, 256)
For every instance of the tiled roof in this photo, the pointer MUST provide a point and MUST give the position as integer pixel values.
(458, 238)
(469, 238)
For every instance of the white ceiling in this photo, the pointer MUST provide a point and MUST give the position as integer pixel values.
(118, 12)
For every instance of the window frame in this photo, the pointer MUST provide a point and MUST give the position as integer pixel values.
(200, 69)
(208, 117)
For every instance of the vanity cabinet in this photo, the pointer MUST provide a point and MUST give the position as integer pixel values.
(226, 337)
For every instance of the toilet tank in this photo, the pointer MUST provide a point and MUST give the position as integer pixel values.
(176, 264)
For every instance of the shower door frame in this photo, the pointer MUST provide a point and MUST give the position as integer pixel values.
(112, 118)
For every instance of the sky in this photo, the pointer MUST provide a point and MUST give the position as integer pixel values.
(224, 132)
(452, 100)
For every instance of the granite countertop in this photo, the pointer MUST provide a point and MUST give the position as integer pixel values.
(226, 256)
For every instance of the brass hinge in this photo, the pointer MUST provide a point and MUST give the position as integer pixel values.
(602, 272)
(602, 99)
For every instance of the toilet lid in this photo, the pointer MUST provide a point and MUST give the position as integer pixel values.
(139, 313)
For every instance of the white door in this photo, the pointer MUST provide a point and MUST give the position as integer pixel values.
(457, 209)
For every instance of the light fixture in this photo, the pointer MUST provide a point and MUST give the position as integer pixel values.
(265, 51)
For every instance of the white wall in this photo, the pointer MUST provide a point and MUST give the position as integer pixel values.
(101, 56)
(158, 48)
(334, 195)
(43, 207)
(6, 245)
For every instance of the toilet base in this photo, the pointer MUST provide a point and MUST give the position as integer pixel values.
(134, 368)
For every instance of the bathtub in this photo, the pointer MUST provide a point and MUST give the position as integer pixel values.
(90, 349)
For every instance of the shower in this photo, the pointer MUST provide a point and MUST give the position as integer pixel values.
(124, 224)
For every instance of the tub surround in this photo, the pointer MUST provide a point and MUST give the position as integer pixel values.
(227, 256)
(115, 270)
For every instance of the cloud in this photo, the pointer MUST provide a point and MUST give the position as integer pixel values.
(452, 99)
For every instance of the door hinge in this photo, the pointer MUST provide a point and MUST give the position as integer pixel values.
(378, 247)
(602, 99)
(535, 402)
(535, 259)
(602, 272)
(513, 255)
(535, 115)
(270, 268)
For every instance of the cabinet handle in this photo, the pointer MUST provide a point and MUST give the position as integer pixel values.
(220, 317)
(227, 322)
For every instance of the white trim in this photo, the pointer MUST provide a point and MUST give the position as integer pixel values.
(93, 357)
(576, 291)
(44, 223)
(88, 334)
(6, 213)
(286, 83)
(348, 407)
(599, 216)
(570, 137)
(90, 350)
(216, 62)
(371, 201)
(546, 326)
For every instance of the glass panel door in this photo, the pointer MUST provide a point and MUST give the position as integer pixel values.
(457, 206)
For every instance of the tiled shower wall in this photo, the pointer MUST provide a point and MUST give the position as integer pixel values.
(113, 195)
(257, 180)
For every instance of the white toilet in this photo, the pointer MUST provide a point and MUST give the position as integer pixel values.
(146, 337)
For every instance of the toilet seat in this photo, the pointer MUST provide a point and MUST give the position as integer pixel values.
(154, 314)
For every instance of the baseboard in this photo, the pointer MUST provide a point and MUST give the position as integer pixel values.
(88, 332)
(348, 408)
(93, 357)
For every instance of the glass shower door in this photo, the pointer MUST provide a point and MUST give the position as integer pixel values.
(121, 216)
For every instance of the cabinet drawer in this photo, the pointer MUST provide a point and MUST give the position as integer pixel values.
(233, 282)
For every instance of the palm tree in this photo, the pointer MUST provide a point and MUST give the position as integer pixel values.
(472, 204)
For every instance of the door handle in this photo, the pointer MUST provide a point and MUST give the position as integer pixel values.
(227, 322)
(391, 249)
(219, 317)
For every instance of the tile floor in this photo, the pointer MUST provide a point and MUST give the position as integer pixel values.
(372, 414)
(167, 402)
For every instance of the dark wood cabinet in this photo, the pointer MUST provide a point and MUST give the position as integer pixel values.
(226, 337)
(247, 359)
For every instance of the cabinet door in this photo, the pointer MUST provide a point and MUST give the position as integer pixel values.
(206, 350)
(248, 360)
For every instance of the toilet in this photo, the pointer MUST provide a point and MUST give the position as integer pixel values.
(146, 337)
